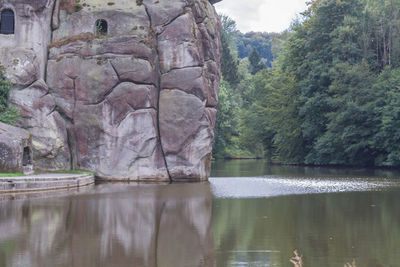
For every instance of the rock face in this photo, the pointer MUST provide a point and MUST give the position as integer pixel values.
(15, 149)
(126, 89)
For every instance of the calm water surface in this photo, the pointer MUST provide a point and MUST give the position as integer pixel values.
(249, 214)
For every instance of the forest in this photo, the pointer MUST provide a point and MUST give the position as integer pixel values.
(324, 92)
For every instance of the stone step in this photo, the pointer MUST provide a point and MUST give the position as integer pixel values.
(44, 182)
(28, 170)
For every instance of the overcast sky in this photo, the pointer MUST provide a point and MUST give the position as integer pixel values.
(261, 15)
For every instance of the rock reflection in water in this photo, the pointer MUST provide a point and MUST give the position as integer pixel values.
(142, 225)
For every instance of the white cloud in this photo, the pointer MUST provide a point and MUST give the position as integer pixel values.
(262, 15)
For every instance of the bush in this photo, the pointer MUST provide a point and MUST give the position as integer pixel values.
(78, 6)
(8, 114)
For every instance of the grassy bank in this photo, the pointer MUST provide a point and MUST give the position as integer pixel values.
(72, 172)
(11, 174)
(58, 171)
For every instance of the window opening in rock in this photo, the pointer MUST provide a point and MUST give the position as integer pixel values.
(7, 22)
(101, 27)
(26, 158)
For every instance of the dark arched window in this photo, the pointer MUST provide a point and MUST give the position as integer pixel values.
(101, 27)
(7, 22)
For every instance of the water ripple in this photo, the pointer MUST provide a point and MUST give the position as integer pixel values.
(269, 186)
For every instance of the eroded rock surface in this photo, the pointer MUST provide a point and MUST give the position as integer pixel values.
(15, 149)
(136, 102)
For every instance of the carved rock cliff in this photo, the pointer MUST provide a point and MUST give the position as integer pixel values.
(126, 89)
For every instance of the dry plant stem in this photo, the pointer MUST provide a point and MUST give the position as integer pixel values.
(353, 264)
(297, 260)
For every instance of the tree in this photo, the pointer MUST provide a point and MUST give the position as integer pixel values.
(229, 66)
(255, 62)
(229, 62)
(387, 140)
(261, 41)
(272, 121)
(351, 123)
(227, 120)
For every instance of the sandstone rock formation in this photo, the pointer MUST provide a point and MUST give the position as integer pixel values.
(127, 89)
(15, 149)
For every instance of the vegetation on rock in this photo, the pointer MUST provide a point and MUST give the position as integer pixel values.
(8, 114)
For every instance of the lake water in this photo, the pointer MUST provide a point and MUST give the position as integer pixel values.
(249, 214)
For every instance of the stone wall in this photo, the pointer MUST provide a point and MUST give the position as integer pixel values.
(136, 104)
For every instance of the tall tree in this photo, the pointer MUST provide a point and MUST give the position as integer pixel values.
(229, 65)
(255, 62)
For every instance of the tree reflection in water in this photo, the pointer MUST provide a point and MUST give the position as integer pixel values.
(115, 225)
(328, 229)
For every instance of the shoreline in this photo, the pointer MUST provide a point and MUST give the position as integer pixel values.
(393, 168)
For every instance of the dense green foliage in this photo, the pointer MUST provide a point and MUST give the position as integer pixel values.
(333, 95)
(261, 42)
(231, 95)
(255, 62)
(266, 44)
(229, 63)
(8, 114)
